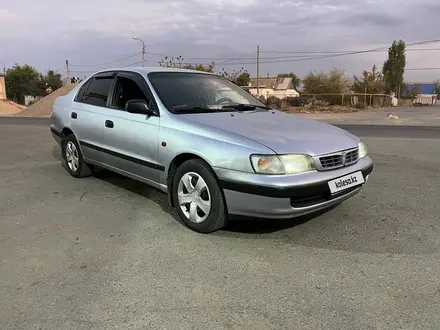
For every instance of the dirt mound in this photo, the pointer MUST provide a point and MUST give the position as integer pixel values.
(43, 107)
(8, 108)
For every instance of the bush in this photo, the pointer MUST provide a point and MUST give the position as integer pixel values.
(360, 105)
(321, 103)
(333, 81)
(330, 99)
(273, 102)
(292, 101)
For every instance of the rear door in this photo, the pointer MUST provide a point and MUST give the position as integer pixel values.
(131, 140)
(88, 110)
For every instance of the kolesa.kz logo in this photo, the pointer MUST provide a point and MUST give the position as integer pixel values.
(346, 182)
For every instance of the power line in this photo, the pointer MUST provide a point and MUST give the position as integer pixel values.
(342, 51)
(156, 54)
(305, 53)
(106, 63)
(132, 64)
(296, 58)
(92, 71)
(277, 59)
(226, 59)
(235, 58)
(421, 69)
(337, 54)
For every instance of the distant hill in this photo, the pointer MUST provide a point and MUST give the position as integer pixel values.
(43, 107)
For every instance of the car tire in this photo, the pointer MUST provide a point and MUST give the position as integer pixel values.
(73, 158)
(201, 193)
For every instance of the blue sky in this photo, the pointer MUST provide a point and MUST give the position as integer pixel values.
(46, 33)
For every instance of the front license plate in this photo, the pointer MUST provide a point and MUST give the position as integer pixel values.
(345, 182)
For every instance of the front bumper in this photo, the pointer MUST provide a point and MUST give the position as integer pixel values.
(286, 196)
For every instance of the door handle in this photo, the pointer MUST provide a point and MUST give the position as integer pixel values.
(109, 124)
(74, 115)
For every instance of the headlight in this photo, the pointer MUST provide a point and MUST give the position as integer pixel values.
(285, 164)
(267, 164)
(362, 150)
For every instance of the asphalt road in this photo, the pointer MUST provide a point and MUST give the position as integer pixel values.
(107, 252)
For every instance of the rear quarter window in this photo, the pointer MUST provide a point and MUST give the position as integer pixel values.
(83, 89)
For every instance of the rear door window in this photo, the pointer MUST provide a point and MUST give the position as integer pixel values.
(98, 91)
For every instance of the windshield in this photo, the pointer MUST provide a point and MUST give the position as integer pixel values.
(198, 92)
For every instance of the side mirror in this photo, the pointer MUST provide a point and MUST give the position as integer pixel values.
(138, 106)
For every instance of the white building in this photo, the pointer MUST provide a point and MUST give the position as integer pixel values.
(272, 86)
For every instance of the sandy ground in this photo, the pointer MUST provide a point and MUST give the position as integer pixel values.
(8, 108)
(108, 253)
(43, 108)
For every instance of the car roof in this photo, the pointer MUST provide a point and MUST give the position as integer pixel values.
(145, 70)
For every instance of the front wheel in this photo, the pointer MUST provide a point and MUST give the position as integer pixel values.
(198, 198)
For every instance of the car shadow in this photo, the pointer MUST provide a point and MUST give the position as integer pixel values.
(237, 224)
(56, 153)
(251, 225)
(136, 187)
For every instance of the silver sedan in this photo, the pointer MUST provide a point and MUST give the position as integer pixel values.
(207, 143)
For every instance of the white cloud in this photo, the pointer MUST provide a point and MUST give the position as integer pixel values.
(12, 25)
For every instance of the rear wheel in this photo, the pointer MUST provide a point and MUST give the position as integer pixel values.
(198, 198)
(73, 158)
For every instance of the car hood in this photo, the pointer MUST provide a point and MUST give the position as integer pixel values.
(281, 132)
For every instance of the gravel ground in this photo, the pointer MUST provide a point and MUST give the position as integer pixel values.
(413, 116)
(107, 252)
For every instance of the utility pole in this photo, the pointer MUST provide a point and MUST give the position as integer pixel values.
(258, 70)
(68, 72)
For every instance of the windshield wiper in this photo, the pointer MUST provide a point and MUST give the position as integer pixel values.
(244, 107)
(188, 108)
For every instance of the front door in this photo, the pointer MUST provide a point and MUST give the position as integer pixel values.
(131, 139)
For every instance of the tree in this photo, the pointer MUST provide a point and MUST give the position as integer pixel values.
(414, 91)
(178, 62)
(51, 80)
(371, 81)
(437, 88)
(24, 80)
(21, 81)
(334, 81)
(295, 79)
(394, 67)
(239, 77)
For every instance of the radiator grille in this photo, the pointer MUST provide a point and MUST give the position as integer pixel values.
(339, 159)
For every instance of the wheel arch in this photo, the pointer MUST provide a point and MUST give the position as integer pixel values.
(174, 165)
(66, 131)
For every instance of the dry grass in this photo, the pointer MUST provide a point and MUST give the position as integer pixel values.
(320, 109)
